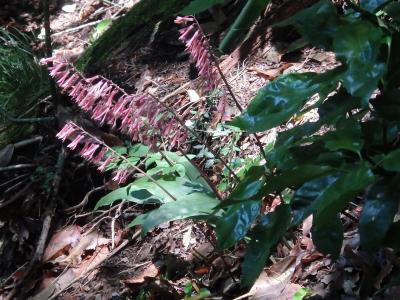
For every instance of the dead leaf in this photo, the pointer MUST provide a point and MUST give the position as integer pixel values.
(149, 272)
(6, 155)
(61, 241)
(88, 8)
(270, 74)
(202, 270)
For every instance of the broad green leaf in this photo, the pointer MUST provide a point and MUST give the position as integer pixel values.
(373, 5)
(282, 98)
(176, 187)
(294, 178)
(190, 205)
(250, 185)
(327, 235)
(110, 198)
(235, 222)
(197, 6)
(248, 15)
(347, 136)
(317, 24)
(391, 161)
(303, 202)
(336, 107)
(380, 206)
(335, 196)
(357, 44)
(263, 237)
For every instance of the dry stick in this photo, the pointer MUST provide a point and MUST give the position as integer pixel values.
(16, 196)
(37, 257)
(4, 113)
(17, 167)
(127, 161)
(49, 51)
(95, 266)
(195, 135)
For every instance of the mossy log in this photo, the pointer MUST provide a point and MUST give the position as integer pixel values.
(132, 30)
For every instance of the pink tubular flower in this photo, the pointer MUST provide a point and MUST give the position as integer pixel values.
(197, 46)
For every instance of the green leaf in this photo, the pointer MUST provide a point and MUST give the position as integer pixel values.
(186, 206)
(387, 105)
(327, 235)
(250, 185)
(110, 198)
(304, 202)
(393, 10)
(391, 161)
(335, 196)
(282, 98)
(357, 44)
(301, 294)
(347, 136)
(321, 30)
(336, 107)
(379, 209)
(263, 237)
(197, 6)
(235, 222)
(295, 177)
(392, 239)
(248, 15)
(373, 5)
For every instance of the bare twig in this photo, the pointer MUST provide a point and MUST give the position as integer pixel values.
(85, 200)
(17, 167)
(15, 196)
(4, 113)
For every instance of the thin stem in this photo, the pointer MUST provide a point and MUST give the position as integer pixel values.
(127, 161)
(195, 135)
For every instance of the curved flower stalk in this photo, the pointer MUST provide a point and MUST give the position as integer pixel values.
(140, 117)
(197, 45)
(93, 150)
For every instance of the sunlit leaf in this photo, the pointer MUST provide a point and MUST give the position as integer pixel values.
(235, 222)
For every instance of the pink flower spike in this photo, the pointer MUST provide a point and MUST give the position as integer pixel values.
(70, 82)
(97, 159)
(65, 132)
(183, 20)
(55, 69)
(76, 142)
(89, 152)
(121, 176)
(105, 163)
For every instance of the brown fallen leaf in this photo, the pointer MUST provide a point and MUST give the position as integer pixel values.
(149, 272)
(201, 270)
(270, 74)
(62, 241)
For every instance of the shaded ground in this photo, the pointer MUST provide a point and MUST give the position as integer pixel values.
(175, 259)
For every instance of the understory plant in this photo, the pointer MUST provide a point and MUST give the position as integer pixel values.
(350, 154)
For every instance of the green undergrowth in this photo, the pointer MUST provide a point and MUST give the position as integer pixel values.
(351, 153)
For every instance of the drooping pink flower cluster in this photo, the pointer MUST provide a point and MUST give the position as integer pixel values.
(197, 46)
(140, 117)
(93, 150)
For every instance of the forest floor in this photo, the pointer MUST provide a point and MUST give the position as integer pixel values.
(90, 254)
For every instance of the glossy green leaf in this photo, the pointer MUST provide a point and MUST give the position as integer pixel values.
(248, 15)
(327, 235)
(302, 293)
(282, 98)
(347, 136)
(235, 222)
(357, 44)
(110, 198)
(263, 237)
(294, 178)
(304, 201)
(336, 107)
(197, 6)
(388, 105)
(380, 206)
(392, 239)
(391, 161)
(335, 196)
(250, 185)
(321, 30)
(393, 10)
(373, 5)
(190, 205)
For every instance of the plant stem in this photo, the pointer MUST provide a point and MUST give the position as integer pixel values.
(195, 135)
(127, 161)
